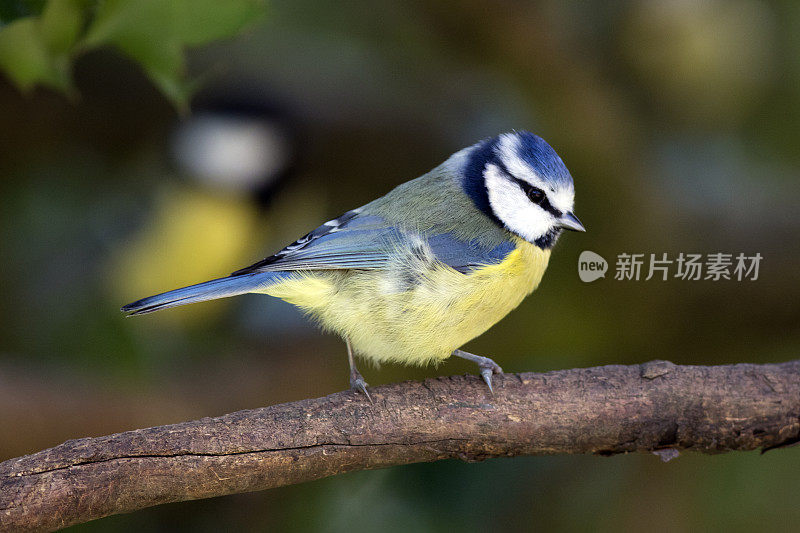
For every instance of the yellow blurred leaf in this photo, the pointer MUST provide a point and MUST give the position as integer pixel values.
(192, 236)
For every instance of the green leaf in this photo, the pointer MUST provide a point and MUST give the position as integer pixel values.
(61, 24)
(145, 31)
(120, 21)
(178, 90)
(154, 33)
(25, 58)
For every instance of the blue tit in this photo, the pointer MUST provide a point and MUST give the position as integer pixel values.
(417, 273)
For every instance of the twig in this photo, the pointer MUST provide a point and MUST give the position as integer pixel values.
(654, 407)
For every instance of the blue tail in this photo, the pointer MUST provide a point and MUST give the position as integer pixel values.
(210, 290)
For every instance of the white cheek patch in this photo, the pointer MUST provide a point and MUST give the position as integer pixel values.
(513, 207)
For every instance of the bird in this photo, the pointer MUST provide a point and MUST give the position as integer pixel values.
(415, 274)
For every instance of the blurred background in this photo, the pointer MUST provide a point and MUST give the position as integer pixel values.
(677, 119)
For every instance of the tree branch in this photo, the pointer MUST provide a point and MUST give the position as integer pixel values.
(606, 410)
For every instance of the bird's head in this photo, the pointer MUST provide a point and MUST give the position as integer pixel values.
(518, 181)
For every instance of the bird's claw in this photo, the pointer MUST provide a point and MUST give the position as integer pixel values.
(486, 365)
(358, 384)
(489, 367)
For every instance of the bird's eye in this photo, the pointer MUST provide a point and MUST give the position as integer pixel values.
(535, 195)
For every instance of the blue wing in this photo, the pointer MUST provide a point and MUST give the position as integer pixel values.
(367, 242)
(467, 256)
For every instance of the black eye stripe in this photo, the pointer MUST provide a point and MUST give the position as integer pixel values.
(545, 204)
(529, 189)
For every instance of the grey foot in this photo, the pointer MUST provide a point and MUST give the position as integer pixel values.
(486, 365)
(358, 384)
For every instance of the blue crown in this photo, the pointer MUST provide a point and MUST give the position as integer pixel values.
(543, 159)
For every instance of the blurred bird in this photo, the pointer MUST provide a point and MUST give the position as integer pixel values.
(414, 275)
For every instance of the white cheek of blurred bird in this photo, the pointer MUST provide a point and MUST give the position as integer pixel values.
(417, 273)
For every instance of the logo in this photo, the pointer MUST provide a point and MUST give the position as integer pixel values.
(685, 266)
(591, 266)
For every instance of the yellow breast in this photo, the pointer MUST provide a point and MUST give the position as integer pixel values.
(423, 322)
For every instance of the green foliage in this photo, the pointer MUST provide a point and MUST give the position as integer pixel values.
(40, 40)
(25, 58)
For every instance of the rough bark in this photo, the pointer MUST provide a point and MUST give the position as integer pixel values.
(655, 407)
